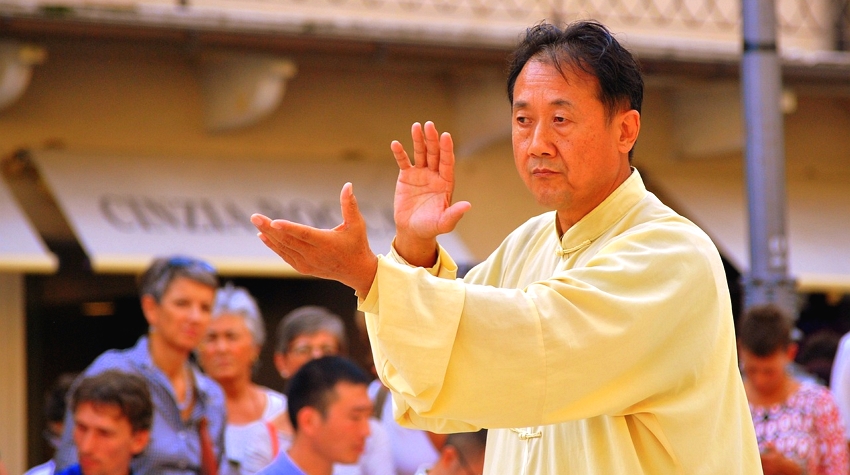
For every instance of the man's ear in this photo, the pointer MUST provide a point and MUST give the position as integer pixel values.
(791, 352)
(140, 441)
(448, 456)
(309, 420)
(629, 128)
(150, 308)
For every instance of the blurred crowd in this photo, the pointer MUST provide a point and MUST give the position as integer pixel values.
(183, 399)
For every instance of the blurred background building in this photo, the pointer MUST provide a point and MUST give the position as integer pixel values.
(130, 129)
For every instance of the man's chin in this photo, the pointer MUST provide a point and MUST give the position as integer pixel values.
(353, 456)
(89, 467)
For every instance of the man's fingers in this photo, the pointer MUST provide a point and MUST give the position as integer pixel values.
(349, 207)
(281, 235)
(447, 157)
(289, 255)
(401, 157)
(452, 216)
(259, 221)
(432, 144)
(419, 147)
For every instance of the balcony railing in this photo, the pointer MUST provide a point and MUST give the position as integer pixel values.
(804, 25)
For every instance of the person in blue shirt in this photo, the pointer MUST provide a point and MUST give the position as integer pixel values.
(113, 414)
(329, 409)
(187, 436)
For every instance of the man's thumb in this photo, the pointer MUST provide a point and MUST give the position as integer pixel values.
(348, 204)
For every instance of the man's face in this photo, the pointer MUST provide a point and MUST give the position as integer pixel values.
(340, 436)
(228, 352)
(105, 439)
(566, 150)
(454, 461)
(183, 313)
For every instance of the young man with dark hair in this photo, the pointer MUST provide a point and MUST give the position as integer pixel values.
(462, 454)
(329, 409)
(112, 417)
(598, 337)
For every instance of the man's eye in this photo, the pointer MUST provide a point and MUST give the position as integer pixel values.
(560, 119)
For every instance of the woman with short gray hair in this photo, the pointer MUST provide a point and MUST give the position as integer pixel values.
(229, 353)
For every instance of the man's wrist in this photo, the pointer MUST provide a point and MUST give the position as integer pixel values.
(417, 252)
(363, 283)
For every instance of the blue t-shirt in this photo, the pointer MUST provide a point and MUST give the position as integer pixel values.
(281, 465)
(74, 470)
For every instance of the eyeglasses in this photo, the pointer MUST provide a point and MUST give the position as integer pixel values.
(463, 462)
(308, 350)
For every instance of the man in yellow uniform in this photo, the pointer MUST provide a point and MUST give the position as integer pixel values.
(598, 338)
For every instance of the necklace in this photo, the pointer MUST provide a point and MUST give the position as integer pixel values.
(189, 393)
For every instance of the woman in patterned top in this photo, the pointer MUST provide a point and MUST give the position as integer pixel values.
(797, 423)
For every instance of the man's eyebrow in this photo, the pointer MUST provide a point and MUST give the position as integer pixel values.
(363, 408)
(556, 102)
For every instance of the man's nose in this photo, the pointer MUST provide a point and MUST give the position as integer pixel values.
(540, 142)
(85, 443)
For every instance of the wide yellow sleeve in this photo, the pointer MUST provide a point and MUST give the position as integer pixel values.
(637, 321)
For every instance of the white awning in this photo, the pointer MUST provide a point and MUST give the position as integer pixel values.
(21, 248)
(127, 210)
(818, 220)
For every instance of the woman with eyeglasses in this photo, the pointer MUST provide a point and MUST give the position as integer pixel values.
(187, 436)
(229, 354)
(308, 333)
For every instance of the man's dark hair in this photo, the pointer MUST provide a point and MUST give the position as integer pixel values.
(314, 385)
(129, 392)
(469, 444)
(55, 397)
(589, 47)
(764, 330)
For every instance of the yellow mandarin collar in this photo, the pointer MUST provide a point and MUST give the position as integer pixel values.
(601, 218)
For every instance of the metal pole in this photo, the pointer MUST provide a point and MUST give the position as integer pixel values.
(761, 78)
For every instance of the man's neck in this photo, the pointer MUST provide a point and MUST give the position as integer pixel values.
(123, 472)
(307, 460)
